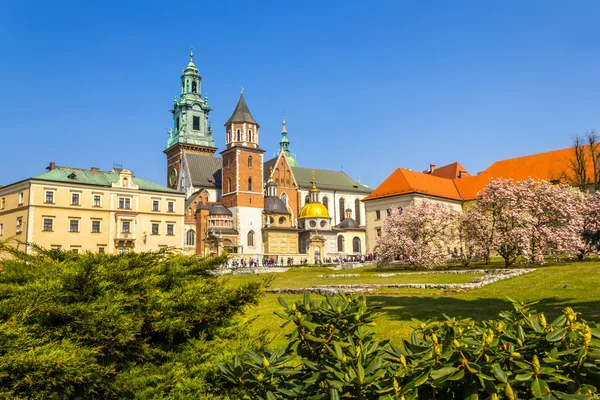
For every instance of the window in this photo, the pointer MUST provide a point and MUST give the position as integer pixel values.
(125, 182)
(251, 238)
(126, 226)
(169, 229)
(194, 89)
(250, 162)
(3, 204)
(228, 185)
(312, 224)
(356, 245)
(19, 224)
(1, 229)
(284, 198)
(239, 136)
(306, 199)
(75, 250)
(74, 199)
(155, 229)
(155, 205)
(190, 238)
(378, 232)
(357, 210)
(388, 212)
(229, 163)
(342, 210)
(49, 197)
(48, 224)
(170, 206)
(378, 214)
(95, 226)
(323, 223)
(249, 184)
(97, 200)
(124, 202)
(74, 225)
(281, 220)
(21, 198)
(326, 202)
(196, 121)
(340, 243)
(101, 250)
(250, 135)
(123, 250)
(177, 124)
(228, 136)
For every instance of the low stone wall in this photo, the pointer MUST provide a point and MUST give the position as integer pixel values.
(246, 271)
(479, 282)
(339, 276)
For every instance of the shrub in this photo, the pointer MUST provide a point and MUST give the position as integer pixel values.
(520, 355)
(101, 326)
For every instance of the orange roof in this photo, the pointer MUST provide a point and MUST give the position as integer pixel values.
(404, 181)
(549, 166)
(450, 171)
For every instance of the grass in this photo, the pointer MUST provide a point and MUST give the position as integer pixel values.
(546, 285)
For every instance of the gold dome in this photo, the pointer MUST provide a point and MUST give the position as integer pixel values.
(314, 210)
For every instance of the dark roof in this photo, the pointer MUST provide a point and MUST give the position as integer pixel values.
(241, 113)
(191, 199)
(219, 209)
(349, 223)
(331, 180)
(267, 165)
(98, 178)
(205, 171)
(275, 205)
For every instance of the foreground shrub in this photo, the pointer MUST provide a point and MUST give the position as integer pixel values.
(146, 325)
(519, 356)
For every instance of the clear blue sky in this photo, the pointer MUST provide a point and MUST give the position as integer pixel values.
(366, 86)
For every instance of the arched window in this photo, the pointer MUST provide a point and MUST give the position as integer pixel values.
(250, 162)
(228, 185)
(250, 184)
(357, 210)
(342, 209)
(251, 238)
(306, 199)
(340, 242)
(125, 182)
(326, 202)
(190, 238)
(283, 198)
(239, 136)
(356, 244)
(194, 87)
(250, 135)
(228, 136)
(229, 163)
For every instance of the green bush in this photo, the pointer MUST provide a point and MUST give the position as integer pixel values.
(332, 354)
(146, 325)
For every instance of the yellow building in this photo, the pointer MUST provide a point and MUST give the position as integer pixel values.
(92, 210)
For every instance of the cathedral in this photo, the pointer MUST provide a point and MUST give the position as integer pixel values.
(250, 207)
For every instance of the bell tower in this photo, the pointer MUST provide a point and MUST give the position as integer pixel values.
(243, 176)
(191, 132)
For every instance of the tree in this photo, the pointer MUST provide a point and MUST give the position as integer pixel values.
(585, 163)
(591, 225)
(528, 218)
(145, 325)
(424, 231)
(473, 237)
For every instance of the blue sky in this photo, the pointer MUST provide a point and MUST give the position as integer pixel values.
(367, 87)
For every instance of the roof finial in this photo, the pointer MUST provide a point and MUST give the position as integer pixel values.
(271, 171)
(314, 181)
(191, 54)
(241, 90)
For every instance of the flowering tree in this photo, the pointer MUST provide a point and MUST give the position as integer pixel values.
(591, 225)
(423, 231)
(473, 237)
(526, 218)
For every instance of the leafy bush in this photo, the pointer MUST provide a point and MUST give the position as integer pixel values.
(146, 325)
(518, 356)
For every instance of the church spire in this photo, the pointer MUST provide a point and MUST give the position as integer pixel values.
(241, 113)
(241, 127)
(284, 145)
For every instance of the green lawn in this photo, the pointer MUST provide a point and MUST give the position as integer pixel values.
(546, 285)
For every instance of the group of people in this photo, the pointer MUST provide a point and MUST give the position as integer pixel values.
(289, 261)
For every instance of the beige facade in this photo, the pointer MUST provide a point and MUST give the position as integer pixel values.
(377, 210)
(115, 218)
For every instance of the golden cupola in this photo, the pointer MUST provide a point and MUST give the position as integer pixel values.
(314, 208)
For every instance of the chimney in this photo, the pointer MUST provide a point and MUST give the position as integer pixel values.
(431, 168)
(461, 173)
(51, 166)
(95, 169)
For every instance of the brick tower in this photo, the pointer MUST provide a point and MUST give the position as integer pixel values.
(191, 132)
(243, 177)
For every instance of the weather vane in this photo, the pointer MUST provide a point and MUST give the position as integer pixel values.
(242, 89)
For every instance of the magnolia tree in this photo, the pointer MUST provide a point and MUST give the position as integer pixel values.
(591, 225)
(527, 218)
(423, 232)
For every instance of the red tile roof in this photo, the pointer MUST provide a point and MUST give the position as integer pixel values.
(444, 181)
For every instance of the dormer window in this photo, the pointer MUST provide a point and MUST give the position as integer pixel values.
(72, 176)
